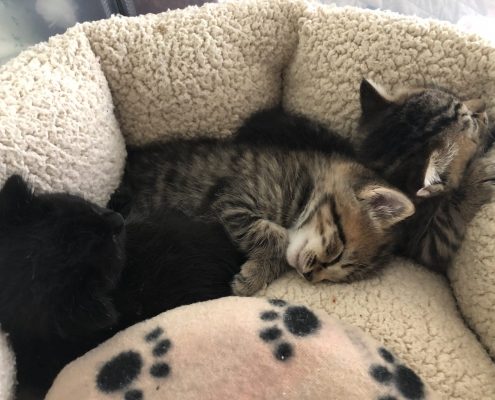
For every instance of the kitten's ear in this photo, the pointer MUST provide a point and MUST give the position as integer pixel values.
(374, 98)
(386, 206)
(438, 163)
(14, 195)
(476, 106)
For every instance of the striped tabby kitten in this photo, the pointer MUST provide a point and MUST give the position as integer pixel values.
(426, 142)
(325, 215)
(430, 144)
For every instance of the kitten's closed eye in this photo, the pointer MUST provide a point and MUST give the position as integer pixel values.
(335, 260)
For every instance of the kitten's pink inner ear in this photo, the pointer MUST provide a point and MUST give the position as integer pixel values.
(374, 98)
(476, 106)
(386, 206)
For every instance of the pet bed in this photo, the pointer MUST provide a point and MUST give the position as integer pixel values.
(67, 107)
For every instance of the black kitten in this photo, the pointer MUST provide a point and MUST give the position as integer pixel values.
(71, 276)
(173, 260)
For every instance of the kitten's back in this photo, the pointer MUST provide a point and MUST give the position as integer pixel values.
(190, 175)
(174, 260)
(276, 128)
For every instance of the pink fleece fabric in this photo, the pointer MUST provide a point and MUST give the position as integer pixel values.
(243, 349)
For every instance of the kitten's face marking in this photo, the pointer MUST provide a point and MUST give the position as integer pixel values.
(341, 237)
(430, 136)
(319, 240)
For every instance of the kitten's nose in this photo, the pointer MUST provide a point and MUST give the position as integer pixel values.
(115, 220)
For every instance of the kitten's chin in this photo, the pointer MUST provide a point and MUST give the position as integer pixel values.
(297, 242)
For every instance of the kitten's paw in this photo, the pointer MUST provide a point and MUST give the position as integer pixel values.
(249, 280)
(478, 178)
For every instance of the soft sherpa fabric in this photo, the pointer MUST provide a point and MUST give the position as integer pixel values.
(57, 126)
(7, 369)
(195, 71)
(473, 273)
(413, 311)
(199, 72)
(473, 276)
(240, 348)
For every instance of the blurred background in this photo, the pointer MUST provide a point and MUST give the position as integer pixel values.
(26, 22)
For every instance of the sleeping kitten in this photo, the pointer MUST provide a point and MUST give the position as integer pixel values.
(325, 215)
(73, 275)
(426, 142)
(429, 143)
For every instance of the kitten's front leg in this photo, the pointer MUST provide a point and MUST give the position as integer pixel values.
(265, 243)
(255, 275)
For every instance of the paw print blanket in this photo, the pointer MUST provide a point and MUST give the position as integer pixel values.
(240, 348)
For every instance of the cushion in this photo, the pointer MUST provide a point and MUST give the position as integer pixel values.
(413, 312)
(200, 72)
(473, 274)
(57, 126)
(195, 71)
(239, 348)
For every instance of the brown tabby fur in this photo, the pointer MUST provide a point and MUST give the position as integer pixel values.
(425, 141)
(325, 215)
(431, 145)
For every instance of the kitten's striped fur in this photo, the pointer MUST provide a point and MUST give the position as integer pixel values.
(430, 144)
(424, 141)
(325, 215)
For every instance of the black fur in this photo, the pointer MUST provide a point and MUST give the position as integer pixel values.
(173, 260)
(277, 128)
(67, 285)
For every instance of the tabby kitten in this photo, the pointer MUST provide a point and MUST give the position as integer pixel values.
(325, 215)
(430, 144)
(424, 141)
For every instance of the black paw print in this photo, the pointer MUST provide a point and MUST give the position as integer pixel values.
(298, 320)
(404, 379)
(119, 373)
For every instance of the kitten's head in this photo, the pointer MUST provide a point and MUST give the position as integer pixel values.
(343, 235)
(59, 257)
(421, 140)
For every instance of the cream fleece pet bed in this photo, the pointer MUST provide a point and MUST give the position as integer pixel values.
(66, 105)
